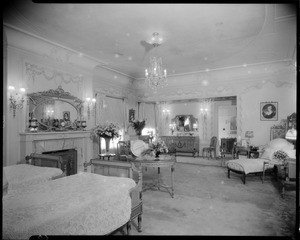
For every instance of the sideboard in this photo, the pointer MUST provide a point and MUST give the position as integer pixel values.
(183, 144)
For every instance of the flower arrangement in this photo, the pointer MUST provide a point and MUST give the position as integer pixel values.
(138, 125)
(158, 146)
(107, 130)
(280, 155)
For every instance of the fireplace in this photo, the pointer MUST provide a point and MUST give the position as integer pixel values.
(69, 157)
(61, 142)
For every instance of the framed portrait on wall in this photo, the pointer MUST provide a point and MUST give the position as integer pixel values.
(131, 114)
(269, 111)
(66, 116)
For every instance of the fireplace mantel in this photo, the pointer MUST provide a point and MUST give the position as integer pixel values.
(52, 141)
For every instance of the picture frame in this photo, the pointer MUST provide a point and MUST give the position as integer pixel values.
(269, 111)
(66, 116)
(131, 114)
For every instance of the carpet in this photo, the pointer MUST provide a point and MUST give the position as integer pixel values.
(206, 202)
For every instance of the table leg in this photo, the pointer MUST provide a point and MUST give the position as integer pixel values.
(158, 176)
(172, 180)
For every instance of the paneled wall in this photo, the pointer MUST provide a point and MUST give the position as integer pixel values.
(39, 65)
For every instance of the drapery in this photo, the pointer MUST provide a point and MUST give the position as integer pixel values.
(111, 109)
(150, 116)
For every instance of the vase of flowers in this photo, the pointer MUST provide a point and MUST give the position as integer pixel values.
(107, 131)
(138, 126)
(158, 147)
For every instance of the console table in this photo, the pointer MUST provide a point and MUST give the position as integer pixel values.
(182, 144)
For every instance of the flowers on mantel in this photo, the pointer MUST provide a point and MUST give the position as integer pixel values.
(107, 130)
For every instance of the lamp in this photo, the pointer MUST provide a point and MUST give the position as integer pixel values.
(172, 127)
(291, 134)
(91, 102)
(16, 99)
(195, 126)
(156, 76)
(248, 135)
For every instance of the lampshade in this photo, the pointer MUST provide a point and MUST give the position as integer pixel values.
(291, 134)
(249, 134)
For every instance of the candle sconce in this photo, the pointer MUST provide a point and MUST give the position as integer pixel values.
(16, 99)
(91, 104)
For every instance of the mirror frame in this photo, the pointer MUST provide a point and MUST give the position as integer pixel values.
(38, 98)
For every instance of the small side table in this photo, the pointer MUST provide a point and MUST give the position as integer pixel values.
(106, 155)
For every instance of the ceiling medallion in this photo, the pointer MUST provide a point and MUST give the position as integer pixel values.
(156, 76)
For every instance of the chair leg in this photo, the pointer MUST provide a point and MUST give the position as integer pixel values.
(140, 222)
(128, 225)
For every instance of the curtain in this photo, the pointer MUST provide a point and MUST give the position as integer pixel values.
(111, 110)
(150, 116)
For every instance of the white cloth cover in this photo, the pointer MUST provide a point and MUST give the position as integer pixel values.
(80, 204)
(21, 175)
(248, 165)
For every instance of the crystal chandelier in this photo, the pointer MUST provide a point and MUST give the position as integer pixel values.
(156, 76)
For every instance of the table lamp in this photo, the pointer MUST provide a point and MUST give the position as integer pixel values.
(248, 135)
(291, 135)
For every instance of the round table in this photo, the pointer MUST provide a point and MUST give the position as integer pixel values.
(162, 161)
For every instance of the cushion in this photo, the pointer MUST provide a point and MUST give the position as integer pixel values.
(280, 144)
(268, 153)
(291, 153)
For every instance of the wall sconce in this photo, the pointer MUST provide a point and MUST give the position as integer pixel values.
(16, 99)
(203, 110)
(166, 111)
(91, 103)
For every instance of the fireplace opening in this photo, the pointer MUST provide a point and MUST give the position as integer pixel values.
(69, 157)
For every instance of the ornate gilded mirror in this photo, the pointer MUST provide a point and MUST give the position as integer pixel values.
(185, 123)
(55, 110)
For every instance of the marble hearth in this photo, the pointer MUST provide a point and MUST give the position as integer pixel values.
(53, 141)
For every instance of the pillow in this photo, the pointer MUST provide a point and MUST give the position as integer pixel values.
(291, 153)
(280, 155)
(281, 143)
(268, 153)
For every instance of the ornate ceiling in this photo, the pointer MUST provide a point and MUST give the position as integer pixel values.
(196, 37)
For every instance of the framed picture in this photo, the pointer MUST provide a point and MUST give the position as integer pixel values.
(269, 111)
(131, 114)
(66, 115)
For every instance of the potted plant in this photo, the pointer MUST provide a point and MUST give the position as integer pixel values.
(138, 126)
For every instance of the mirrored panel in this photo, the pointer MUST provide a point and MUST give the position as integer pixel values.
(185, 123)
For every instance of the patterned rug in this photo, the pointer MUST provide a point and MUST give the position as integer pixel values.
(206, 202)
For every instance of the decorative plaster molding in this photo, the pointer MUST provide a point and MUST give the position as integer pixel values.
(33, 71)
(113, 92)
(59, 55)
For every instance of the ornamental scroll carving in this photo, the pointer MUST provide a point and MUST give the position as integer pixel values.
(33, 71)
